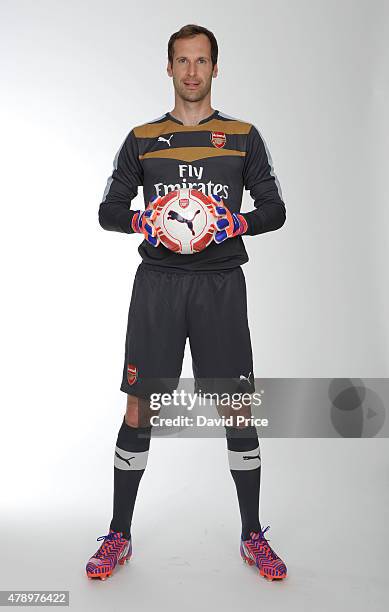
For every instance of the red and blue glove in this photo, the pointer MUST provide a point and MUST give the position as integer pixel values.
(143, 222)
(228, 224)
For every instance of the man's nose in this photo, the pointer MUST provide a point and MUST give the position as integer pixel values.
(192, 68)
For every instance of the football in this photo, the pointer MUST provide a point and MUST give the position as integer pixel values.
(186, 221)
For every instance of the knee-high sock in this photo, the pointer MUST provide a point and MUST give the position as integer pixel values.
(245, 466)
(131, 454)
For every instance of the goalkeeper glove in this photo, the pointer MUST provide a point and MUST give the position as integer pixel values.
(229, 224)
(143, 222)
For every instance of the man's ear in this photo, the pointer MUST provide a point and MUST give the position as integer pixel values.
(169, 69)
(215, 71)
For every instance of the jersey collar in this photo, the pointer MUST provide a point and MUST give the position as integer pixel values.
(169, 116)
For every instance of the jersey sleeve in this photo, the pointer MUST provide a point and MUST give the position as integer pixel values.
(259, 178)
(115, 212)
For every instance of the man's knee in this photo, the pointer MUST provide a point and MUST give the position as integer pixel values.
(138, 411)
(228, 412)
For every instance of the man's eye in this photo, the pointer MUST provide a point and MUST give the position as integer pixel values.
(183, 59)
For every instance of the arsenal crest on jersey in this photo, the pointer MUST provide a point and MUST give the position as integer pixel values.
(132, 373)
(184, 202)
(218, 139)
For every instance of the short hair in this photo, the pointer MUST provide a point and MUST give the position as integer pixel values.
(188, 31)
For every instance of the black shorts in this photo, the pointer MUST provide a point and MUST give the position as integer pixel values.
(209, 308)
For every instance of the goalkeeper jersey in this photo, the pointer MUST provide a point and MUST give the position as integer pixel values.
(219, 155)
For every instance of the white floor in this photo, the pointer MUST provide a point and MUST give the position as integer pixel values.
(325, 500)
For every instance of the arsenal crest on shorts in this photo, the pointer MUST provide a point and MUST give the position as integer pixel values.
(218, 139)
(132, 373)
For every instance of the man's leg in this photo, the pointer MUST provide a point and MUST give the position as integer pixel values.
(154, 350)
(131, 454)
(155, 344)
(222, 363)
(244, 459)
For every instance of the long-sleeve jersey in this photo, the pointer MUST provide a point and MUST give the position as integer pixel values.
(219, 155)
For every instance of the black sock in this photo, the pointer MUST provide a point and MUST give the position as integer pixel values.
(245, 466)
(131, 453)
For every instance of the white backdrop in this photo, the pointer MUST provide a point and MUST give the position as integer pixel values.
(77, 76)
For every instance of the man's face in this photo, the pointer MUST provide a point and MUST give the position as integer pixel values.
(192, 68)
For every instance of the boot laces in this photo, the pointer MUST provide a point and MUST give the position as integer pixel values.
(107, 544)
(262, 537)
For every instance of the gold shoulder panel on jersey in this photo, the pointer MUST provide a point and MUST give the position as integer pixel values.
(153, 130)
(190, 154)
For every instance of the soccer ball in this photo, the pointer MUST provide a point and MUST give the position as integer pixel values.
(186, 222)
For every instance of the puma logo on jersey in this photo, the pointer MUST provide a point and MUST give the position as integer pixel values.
(246, 457)
(162, 139)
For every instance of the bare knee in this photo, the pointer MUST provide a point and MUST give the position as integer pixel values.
(138, 412)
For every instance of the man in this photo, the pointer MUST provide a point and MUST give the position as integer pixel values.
(200, 296)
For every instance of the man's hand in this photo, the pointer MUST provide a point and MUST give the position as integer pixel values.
(143, 222)
(228, 224)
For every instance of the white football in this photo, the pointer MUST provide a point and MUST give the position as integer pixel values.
(186, 221)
